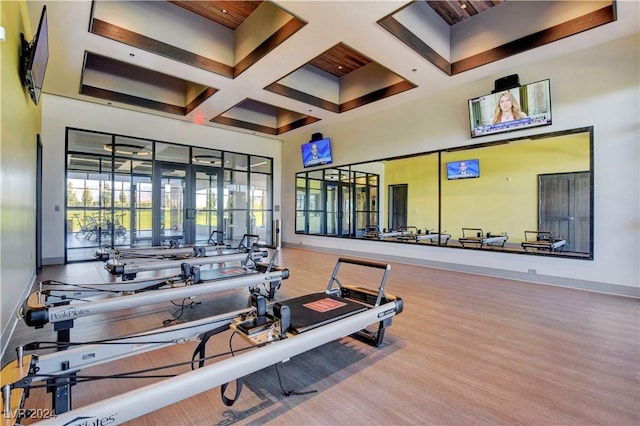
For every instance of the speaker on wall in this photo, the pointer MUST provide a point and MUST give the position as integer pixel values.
(506, 83)
(316, 137)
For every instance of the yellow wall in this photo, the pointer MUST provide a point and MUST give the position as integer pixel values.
(19, 125)
(503, 199)
(421, 176)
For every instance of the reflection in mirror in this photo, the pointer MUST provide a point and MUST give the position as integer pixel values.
(412, 210)
(337, 202)
(525, 195)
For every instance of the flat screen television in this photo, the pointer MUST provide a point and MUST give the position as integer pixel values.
(316, 153)
(35, 55)
(464, 169)
(513, 109)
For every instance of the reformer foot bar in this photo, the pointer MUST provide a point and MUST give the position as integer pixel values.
(129, 269)
(296, 326)
(63, 316)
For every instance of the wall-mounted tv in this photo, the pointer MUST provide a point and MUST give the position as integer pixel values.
(316, 153)
(464, 169)
(507, 110)
(34, 58)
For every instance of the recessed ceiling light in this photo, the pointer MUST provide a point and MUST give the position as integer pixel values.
(225, 11)
(339, 67)
(127, 149)
(206, 159)
(463, 6)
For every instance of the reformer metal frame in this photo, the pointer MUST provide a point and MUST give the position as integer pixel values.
(173, 251)
(481, 239)
(52, 292)
(63, 316)
(431, 237)
(279, 348)
(149, 398)
(543, 240)
(59, 368)
(129, 268)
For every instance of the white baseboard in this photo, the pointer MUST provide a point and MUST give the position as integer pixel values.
(598, 287)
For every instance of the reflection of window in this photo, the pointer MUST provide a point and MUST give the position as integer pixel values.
(313, 201)
(344, 200)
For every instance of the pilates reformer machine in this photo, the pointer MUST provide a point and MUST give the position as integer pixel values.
(407, 233)
(402, 232)
(51, 292)
(475, 236)
(543, 241)
(290, 328)
(58, 309)
(433, 237)
(129, 268)
(371, 232)
(214, 245)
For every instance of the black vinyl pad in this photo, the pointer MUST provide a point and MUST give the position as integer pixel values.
(314, 310)
(255, 325)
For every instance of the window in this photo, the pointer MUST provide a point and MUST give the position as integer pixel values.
(111, 198)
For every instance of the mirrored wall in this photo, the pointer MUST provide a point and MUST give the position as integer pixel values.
(530, 195)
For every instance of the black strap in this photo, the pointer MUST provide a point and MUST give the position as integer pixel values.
(200, 349)
(200, 352)
(227, 401)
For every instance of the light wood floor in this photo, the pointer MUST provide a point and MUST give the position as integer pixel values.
(467, 350)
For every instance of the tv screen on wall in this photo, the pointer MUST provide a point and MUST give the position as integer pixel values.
(35, 55)
(513, 109)
(316, 153)
(464, 169)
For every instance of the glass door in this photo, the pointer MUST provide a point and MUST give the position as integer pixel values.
(207, 204)
(332, 209)
(344, 210)
(190, 204)
(171, 219)
(338, 208)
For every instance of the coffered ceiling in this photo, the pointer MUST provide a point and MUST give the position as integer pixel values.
(274, 67)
